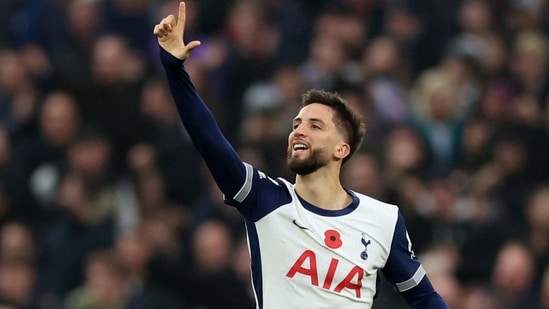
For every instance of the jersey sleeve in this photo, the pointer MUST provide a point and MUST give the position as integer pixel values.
(222, 160)
(259, 195)
(405, 272)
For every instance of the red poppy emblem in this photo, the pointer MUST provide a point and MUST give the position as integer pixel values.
(332, 239)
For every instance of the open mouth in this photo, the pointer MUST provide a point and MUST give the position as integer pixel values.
(300, 147)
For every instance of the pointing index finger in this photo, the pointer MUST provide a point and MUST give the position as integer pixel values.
(181, 15)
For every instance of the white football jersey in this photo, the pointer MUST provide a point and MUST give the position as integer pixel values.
(303, 256)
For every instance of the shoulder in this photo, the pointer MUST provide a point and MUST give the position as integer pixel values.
(376, 207)
(261, 194)
(379, 218)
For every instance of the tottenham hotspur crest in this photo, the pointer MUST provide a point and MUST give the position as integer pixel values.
(364, 254)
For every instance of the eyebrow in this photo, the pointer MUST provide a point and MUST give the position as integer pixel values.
(299, 119)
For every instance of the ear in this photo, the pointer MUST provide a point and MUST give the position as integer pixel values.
(342, 150)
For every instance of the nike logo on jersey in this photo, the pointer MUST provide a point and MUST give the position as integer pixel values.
(298, 225)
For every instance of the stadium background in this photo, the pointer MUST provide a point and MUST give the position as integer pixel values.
(104, 202)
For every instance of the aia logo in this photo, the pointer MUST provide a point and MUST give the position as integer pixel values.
(337, 278)
(307, 266)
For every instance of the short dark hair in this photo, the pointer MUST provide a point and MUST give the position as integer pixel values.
(346, 119)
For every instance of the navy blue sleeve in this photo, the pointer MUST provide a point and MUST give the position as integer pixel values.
(406, 273)
(424, 296)
(222, 160)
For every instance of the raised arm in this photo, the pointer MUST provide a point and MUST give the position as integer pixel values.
(220, 157)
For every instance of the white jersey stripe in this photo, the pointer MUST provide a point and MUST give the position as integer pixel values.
(412, 282)
(247, 186)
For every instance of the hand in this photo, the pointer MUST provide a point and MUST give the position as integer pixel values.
(170, 33)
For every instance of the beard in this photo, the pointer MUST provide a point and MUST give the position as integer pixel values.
(316, 160)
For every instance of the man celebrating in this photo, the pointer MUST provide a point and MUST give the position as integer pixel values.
(313, 243)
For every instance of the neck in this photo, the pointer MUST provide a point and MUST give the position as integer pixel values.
(322, 189)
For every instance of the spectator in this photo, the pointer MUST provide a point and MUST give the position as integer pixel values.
(59, 123)
(387, 81)
(513, 281)
(17, 283)
(72, 30)
(363, 173)
(85, 223)
(437, 117)
(104, 286)
(212, 249)
(117, 73)
(173, 155)
(135, 253)
(18, 95)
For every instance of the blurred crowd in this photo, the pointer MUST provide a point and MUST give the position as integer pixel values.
(104, 203)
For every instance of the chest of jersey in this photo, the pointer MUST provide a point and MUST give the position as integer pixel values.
(327, 259)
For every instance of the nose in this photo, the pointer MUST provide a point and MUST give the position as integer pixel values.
(298, 131)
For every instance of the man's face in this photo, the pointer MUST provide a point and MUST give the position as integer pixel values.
(313, 139)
